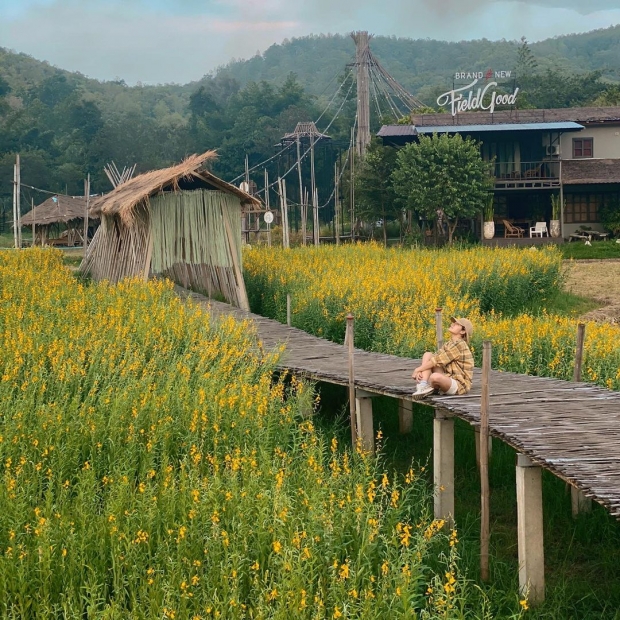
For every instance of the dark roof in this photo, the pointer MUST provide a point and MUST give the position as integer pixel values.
(576, 115)
(56, 209)
(388, 131)
(590, 171)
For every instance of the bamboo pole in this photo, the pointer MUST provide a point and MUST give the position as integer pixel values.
(34, 222)
(267, 207)
(288, 309)
(484, 462)
(438, 328)
(349, 339)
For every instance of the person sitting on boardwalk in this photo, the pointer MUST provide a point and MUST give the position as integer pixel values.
(450, 370)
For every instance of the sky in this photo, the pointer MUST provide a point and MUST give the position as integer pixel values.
(163, 41)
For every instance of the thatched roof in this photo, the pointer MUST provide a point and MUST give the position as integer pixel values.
(124, 198)
(56, 209)
(590, 171)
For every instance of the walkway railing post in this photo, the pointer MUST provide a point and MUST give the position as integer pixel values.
(530, 530)
(579, 502)
(484, 462)
(443, 465)
(438, 328)
(349, 339)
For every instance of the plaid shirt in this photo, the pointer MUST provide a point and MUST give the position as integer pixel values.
(457, 362)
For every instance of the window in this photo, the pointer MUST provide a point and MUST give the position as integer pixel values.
(583, 147)
(582, 208)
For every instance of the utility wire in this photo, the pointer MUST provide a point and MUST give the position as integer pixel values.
(262, 163)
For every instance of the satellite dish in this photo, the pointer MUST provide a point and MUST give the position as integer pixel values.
(268, 217)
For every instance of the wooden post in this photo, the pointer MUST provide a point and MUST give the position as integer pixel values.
(301, 197)
(87, 197)
(438, 328)
(579, 502)
(484, 462)
(288, 309)
(336, 205)
(405, 416)
(364, 421)
(19, 202)
(267, 207)
(530, 530)
(34, 222)
(15, 205)
(443, 465)
(349, 337)
(352, 189)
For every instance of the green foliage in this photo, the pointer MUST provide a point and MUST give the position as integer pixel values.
(443, 175)
(556, 206)
(153, 467)
(489, 210)
(597, 249)
(609, 214)
(374, 191)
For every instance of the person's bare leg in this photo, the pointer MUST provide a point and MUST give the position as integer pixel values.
(440, 381)
(426, 373)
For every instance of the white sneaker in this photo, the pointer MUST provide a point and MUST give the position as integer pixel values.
(423, 390)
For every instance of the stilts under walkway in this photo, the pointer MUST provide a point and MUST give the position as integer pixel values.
(571, 429)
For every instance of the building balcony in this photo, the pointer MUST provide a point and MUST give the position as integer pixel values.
(527, 175)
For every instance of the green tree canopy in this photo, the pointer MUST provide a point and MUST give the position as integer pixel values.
(443, 177)
(374, 190)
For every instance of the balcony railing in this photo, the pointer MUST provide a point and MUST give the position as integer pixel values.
(526, 174)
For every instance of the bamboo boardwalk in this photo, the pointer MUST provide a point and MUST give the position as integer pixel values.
(571, 429)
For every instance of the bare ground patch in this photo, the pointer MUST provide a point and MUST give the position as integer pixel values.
(598, 280)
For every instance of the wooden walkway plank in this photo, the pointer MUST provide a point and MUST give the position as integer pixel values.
(571, 429)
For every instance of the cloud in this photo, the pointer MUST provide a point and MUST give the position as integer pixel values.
(148, 47)
(156, 41)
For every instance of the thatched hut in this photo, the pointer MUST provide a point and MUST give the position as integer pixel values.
(57, 220)
(181, 222)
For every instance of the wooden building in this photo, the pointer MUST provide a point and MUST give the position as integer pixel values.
(572, 153)
(181, 222)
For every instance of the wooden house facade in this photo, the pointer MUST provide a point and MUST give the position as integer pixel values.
(572, 153)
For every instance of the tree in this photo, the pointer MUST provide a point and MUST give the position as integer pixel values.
(374, 191)
(443, 178)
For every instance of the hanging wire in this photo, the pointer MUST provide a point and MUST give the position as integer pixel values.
(262, 163)
(346, 98)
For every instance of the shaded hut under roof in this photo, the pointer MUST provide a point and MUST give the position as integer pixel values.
(182, 222)
(57, 209)
(304, 132)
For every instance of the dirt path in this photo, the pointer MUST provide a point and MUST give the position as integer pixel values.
(598, 280)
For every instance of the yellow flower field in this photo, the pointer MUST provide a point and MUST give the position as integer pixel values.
(152, 467)
(393, 295)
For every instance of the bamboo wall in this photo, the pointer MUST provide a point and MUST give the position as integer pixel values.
(192, 237)
(197, 242)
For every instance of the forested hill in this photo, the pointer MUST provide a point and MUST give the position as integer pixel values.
(423, 64)
(66, 125)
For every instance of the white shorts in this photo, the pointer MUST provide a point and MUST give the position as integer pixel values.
(454, 388)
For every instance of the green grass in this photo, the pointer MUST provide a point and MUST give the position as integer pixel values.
(598, 249)
(565, 304)
(581, 555)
